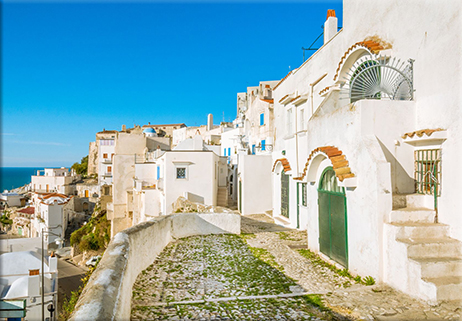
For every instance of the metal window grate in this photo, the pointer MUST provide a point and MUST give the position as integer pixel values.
(427, 172)
(304, 201)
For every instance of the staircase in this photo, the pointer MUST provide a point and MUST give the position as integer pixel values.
(222, 196)
(421, 260)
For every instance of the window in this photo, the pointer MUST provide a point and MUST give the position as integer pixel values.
(109, 169)
(106, 142)
(106, 190)
(224, 152)
(304, 202)
(263, 145)
(181, 172)
(427, 172)
(229, 151)
(104, 155)
(158, 172)
(262, 119)
(253, 149)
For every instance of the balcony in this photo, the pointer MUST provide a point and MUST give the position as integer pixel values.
(107, 161)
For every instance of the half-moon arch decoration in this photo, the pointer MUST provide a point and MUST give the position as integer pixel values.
(379, 78)
(284, 162)
(339, 162)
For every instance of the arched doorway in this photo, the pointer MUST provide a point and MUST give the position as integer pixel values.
(333, 236)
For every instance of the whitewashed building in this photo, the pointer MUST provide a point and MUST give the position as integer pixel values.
(367, 143)
(191, 170)
(50, 216)
(55, 180)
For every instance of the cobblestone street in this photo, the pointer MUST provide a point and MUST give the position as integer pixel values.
(264, 274)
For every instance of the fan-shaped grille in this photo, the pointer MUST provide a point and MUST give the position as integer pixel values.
(380, 78)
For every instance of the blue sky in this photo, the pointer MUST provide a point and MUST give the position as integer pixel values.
(71, 69)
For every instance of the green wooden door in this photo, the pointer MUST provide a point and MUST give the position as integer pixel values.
(284, 194)
(333, 238)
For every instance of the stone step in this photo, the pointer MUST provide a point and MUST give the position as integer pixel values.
(433, 267)
(419, 201)
(412, 201)
(399, 201)
(449, 288)
(280, 220)
(427, 247)
(419, 215)
(421, 230)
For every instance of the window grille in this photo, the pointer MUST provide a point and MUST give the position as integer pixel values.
(428, 171)
(181, 172)
(304, 201)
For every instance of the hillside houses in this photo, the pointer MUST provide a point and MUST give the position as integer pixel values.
(358, 146)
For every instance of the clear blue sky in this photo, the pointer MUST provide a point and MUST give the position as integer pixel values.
(71, 69)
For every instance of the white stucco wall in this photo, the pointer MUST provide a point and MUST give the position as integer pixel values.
(201, 178)
(255, 174)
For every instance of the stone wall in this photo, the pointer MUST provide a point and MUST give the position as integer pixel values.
(107, 295)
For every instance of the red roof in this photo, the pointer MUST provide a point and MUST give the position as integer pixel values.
(27, 210)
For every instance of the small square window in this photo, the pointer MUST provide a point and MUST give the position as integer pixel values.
(181, 172)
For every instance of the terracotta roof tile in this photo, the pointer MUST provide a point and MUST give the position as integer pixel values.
(421, 132)
(280, 82)
(28, 210)
(268, 100)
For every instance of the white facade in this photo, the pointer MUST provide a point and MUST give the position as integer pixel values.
(190, 170)
(255, 184)
(373, 144)
(53, 180)
(50, 216)
(106, 150)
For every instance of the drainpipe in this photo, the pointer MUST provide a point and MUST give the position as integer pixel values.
(312, 91)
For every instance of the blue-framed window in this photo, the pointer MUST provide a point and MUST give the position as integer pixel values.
(262, 119)
(224, 151)
(253, 149)
(229, 151)
(158, 172)
(263, 144)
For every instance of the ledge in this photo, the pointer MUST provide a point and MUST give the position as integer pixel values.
(434, 138)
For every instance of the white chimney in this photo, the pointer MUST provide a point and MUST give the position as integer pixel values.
(209, 122)
(330, 26)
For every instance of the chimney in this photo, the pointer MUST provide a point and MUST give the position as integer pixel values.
(209, 122)
(330, 26)
(124, 128)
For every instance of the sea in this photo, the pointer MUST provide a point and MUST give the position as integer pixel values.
(14, 177)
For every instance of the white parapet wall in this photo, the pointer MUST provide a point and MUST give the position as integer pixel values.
(107, 296)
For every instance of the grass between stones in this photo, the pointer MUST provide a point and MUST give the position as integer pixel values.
(317, 260)
(215, 266)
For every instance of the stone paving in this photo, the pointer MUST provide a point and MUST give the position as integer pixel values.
(261, 275)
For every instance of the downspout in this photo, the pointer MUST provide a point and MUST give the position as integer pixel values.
(312, 90)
